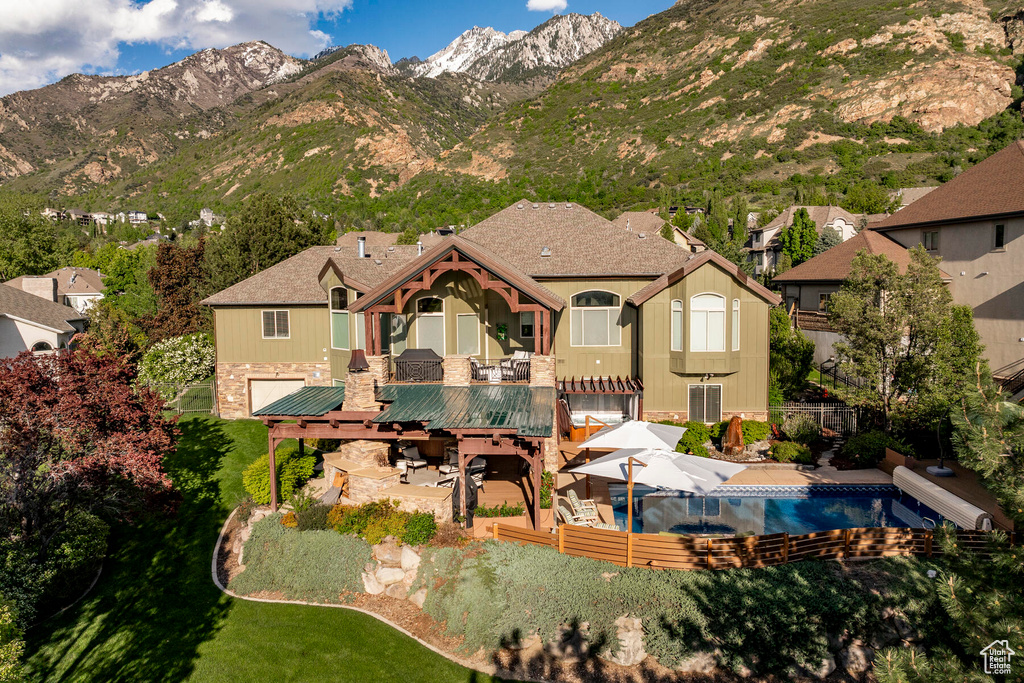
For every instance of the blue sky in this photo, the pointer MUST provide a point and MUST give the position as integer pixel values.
(44, 40)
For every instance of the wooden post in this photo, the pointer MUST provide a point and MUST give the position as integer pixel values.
(785, 548)
(545, 317)
(711, 562)
(368, 333)
(302, 447)
(629, 549)
(273, 474)
(928, 542)
(494, 531)
(537, 468)
(561, 538)
(846, 548)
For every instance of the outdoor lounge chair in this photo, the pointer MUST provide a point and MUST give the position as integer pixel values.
(412, 457)
(603, 525)
(570, 518)
(585, 508)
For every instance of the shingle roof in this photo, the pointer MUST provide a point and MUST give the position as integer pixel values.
(909, 195)
(834, 264)
(581, 242)
(994, 187)
(70, 280)
(640, 221)
(694, 262)
(821, 215)
(296, 280)
(18, 304)
(376, 240)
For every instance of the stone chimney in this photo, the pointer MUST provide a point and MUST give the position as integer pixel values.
(43, 287)
(360, 389)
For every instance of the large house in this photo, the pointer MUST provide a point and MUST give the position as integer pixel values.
(492, 342)
(975, 223)
(32, 320)
(551, 280)
(78, 288)
(765, 247)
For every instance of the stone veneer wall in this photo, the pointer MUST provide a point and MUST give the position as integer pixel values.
(680, 415)
(457, 371)
(366, 489)
(437, 502)
(542, 371)
(233, 382)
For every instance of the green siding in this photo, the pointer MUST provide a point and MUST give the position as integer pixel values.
(743, 374)
(595, 361)
(240, 339)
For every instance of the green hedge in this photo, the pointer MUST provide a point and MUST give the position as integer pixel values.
(292, 473)
(790, 451)
(373, 521)
(302, 565)
(698, 433)
(767, 619)
(868, 448)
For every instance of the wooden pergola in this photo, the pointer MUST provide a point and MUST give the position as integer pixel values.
(520, 292)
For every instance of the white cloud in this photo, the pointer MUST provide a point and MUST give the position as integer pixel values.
(546, 5)
(44, 40)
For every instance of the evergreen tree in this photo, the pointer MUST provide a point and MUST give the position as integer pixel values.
(798, 239)
(791, 357)
(716, 217)
(828, 238)
(667, 232)
(740, 209)
(783, 263)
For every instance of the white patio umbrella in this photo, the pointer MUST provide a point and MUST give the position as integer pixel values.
(662, 469)
(635, 434)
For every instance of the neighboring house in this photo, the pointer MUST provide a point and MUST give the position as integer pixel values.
(764, 245)
(102, 218)
(651, 223)
(807, 287)
(909, 195)
(136, 217)
(975, 223)
(623, 322)
(77, 216)
(78, 288)
(32, 320)
(208, 218)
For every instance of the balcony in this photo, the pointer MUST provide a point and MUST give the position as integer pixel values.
(424, 366)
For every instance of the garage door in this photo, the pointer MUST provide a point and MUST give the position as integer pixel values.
(266, 391)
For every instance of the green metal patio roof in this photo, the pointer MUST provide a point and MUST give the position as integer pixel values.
(305, 402)
(528, 410)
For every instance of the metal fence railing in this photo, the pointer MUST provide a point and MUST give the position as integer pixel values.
(836, 417)
(198, 398)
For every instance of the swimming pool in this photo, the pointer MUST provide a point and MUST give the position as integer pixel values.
(771, 509)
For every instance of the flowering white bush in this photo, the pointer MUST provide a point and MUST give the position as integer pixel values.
(180, 360)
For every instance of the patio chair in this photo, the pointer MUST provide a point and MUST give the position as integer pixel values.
(603, 525)
(447, 481)
(586, 508)
(570, 518)
(411, 455)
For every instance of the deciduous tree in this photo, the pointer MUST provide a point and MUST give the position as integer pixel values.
(798, 239)
(178, 279)
(791, 357)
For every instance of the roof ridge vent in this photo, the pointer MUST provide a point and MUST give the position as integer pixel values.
(520, 207)
(378, 261)
(551, 205)
(642, 235)
(536, 206)
(568, 206)
(545, 251)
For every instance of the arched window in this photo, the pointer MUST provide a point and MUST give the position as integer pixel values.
(42, 347)
(707, 322)
(339, 319)
(677, 325)
(735, 324)
(594, 319)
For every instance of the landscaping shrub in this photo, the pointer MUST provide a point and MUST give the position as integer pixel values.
(179, 360)
(292, 472)
(547, 484)
(503, 510)
(313, 518)
(790, 451)
(755, 431)
(449, 535)
(290, 520)
(801, 428)
(767, 619)
(302, 500)
(868, 448)
(325, 445)
(245, 510)
(309, 565)
(420, 528)
(380, 528)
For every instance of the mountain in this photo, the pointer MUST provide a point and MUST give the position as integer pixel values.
(490, 55)
(368, 57)
(80, 114)
(458, 55)
(552, 46)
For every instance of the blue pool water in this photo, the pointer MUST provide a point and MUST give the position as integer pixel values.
(771, 509)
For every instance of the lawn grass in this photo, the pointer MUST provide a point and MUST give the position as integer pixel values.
(155, 614)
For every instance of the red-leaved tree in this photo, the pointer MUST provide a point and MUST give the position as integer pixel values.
(76, 435)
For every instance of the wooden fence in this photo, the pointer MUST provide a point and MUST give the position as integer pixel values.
(680, 552)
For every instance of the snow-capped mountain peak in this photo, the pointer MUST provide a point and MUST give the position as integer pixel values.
(464, 50)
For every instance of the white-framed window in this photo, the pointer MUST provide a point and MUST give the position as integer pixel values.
(430, 324)
(594, 319)
(930, 239)
(677, 325)
(340, 336)
(705, 403)
(735, 324)
(42, 347)
(467, 334)
(707, 322)
(526, 324)
(275, 325)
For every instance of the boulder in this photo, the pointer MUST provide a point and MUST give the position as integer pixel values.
(409, 558)
(258, 514)
(906, 631)
(397, 590)
(371, 585)
(884, 636)
(732, 442)
(388, 553)
(419, 597)
(856, 659)
(390, 575)
(630, 633)
(698, 663)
